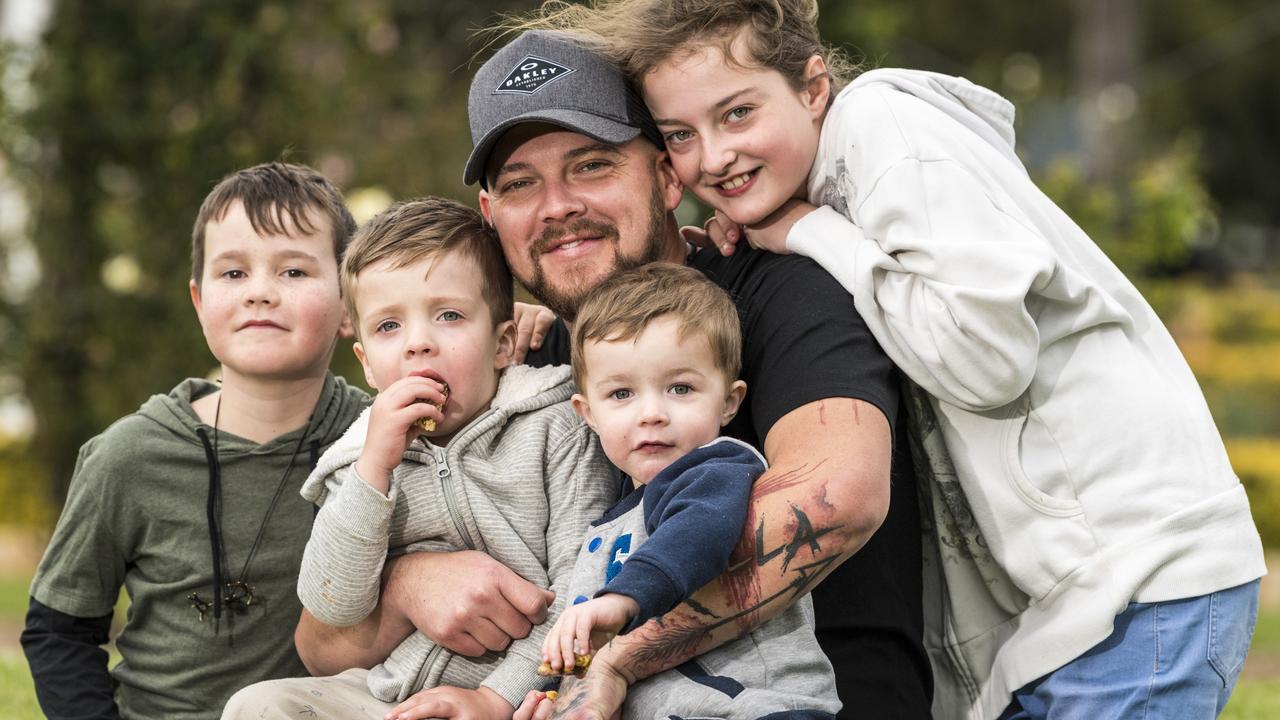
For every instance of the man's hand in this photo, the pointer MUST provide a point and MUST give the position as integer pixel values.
(391, 426)
(532, 322)
(584, 628)
(452, 702)
(598, 695)
(466, 601)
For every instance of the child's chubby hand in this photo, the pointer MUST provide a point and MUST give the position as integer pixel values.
(452, 702)
(532, 323)
(391, 426)
(537, 705)
(584, 628)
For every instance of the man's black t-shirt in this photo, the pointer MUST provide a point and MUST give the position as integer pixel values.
(803, 342)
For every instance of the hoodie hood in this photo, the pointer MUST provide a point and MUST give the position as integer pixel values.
(980, 110)
(337, 405)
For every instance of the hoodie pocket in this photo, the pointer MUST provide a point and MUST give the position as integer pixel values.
(1047, 535)
(1031, 452)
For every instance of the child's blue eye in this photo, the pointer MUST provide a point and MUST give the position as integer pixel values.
(739, 112)
(681, 389)
(387, 326)
(620, 394)
(450, 316)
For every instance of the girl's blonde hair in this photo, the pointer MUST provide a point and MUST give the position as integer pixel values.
(638, 35)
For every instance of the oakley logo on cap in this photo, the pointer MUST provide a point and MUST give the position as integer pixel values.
(530, 75)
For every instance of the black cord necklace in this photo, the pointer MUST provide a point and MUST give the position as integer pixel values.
(236, 594)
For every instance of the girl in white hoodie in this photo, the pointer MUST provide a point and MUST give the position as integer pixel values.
(1094, 551)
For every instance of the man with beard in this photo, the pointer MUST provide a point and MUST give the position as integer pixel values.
(576, 182)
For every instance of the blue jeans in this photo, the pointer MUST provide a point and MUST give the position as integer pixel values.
(1175, 660)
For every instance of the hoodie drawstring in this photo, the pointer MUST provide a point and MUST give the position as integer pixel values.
(213, 512)
(237, 594)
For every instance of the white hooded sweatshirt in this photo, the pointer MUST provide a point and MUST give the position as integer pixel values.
(1085, 471)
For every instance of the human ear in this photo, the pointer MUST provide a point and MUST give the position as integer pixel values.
(195, 298)
(506, 345)
(670, 186)
(364, 363)
(817, 87)
(583, 408)
(485, 210)
(732, 401)
(346, 329)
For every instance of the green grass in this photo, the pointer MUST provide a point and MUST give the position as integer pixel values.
(1254, 700)
(1266, 634)
(13, 596)
(17, 694)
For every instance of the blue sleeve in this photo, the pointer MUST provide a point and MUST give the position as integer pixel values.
(694, 512)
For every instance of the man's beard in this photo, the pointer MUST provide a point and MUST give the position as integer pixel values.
(576, 283)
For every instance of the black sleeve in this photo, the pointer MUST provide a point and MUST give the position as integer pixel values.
(803, 341)
(555, 347)
(68, 664)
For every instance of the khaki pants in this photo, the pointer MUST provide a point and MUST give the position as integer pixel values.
(339, 697)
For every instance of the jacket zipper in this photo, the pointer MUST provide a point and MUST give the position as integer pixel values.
(446, 487)
(424, 671)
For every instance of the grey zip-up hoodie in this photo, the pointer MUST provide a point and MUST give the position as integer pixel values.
(521, 483)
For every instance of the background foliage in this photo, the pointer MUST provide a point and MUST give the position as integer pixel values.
(1150, 126)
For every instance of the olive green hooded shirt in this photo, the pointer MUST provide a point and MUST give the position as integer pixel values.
(136, 515)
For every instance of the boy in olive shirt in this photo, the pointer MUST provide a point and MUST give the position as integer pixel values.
(192, 502)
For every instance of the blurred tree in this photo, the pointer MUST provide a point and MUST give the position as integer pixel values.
(143, 106)
(1119, 87)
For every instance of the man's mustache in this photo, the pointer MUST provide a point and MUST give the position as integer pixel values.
(552, 235)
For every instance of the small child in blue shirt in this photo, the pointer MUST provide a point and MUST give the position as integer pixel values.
(656, 353)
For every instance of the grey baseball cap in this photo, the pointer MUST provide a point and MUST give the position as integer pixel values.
(547, 76)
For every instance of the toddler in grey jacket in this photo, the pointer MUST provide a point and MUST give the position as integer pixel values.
(503, 466)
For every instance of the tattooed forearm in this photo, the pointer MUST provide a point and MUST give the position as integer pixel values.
(699, 608)
(782, 481)
(680, 634)
(805, 535)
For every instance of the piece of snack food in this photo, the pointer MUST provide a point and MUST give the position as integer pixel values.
(429, 424)
(580, 664)
(552, 695)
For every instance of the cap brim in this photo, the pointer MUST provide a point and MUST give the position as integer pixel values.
(593, 126)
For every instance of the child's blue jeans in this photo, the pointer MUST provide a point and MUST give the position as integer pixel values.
(1175, 660)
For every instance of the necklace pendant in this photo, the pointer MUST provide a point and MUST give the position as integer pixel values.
(239, 596)
(200, 606)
